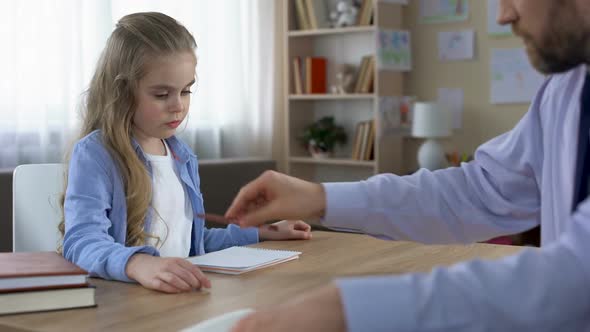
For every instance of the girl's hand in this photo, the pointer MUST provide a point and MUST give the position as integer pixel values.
(285, 230)
(169, 275)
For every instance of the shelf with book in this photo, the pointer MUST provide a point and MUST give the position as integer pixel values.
(332, 96)
(331, 31)
(317, 63)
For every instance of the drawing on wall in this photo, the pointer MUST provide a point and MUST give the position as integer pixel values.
(394, 50)
(513, 78)
(395, 115)
(441, 11)
(494, 29)
(456, 45)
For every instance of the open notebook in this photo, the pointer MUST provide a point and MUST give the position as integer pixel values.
(238, 260)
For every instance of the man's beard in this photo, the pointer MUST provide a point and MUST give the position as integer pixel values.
(560, 49)
(557, 57)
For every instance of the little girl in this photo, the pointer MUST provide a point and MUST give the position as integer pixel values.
(132, 195)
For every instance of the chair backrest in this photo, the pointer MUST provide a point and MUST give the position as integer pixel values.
(36, 212)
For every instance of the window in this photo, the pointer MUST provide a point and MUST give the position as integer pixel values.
(50, 49)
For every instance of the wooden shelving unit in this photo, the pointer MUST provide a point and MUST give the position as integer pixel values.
(340, 46)
(330, 31)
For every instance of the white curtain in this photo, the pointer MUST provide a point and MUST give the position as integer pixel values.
(50, 48)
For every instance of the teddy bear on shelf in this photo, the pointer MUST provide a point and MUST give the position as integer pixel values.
(344, 14)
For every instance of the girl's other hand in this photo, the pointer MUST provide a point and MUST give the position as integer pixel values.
(285, 230)
(169, 275)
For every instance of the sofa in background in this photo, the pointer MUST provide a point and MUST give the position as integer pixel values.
(220, 181)
(6, 209)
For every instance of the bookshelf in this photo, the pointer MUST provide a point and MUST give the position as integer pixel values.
(345, 45)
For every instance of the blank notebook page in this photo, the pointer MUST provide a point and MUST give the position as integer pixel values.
(242, 257)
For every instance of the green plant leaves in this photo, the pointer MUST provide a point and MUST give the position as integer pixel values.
(324, 134)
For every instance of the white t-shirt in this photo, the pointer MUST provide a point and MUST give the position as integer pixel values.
(173, 215)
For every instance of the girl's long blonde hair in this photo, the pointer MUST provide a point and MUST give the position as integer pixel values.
(110, 102)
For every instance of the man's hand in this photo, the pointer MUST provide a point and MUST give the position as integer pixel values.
(320, 310)
(276, 196)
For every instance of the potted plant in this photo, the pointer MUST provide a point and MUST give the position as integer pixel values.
(321, 137)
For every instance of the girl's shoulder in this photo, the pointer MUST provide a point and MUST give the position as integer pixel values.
(90, 156)
(91, 141)
(92, 145)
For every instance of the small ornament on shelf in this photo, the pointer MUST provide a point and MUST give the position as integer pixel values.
(344, 15)
(344, 79)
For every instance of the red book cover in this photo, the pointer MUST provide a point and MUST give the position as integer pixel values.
(318, 72)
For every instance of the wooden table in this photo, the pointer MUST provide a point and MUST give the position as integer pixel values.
(130, 307)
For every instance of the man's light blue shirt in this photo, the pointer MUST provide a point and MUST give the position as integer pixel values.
(518, 180)
(95, 210)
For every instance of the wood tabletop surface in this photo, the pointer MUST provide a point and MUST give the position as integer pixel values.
(130, 307)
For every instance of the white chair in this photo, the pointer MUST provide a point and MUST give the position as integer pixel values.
(36, 212)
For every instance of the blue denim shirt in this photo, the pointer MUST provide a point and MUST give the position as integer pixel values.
(95, 210)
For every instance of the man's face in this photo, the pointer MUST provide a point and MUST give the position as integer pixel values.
(554, 31)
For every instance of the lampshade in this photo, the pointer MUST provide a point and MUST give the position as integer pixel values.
(431, 120)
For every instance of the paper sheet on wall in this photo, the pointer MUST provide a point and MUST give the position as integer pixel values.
(394, 50)
(453, 100)
(388, 119)
(440, 11)
(494, 29)
(513, 79)
(456, 45)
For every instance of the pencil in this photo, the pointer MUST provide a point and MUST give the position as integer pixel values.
(216, 218)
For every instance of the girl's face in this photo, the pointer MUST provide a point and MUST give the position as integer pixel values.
(163, 98)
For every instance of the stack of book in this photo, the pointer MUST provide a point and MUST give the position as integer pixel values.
(42, 281)
(364, 141)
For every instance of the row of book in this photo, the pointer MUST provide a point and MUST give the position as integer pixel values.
(311, 14)
(363, 147)
(42, 281)
(365, 76)
(365, 13)
(314, 14)
(310, 76)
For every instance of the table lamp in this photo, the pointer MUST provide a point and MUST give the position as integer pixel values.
(431, 121)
